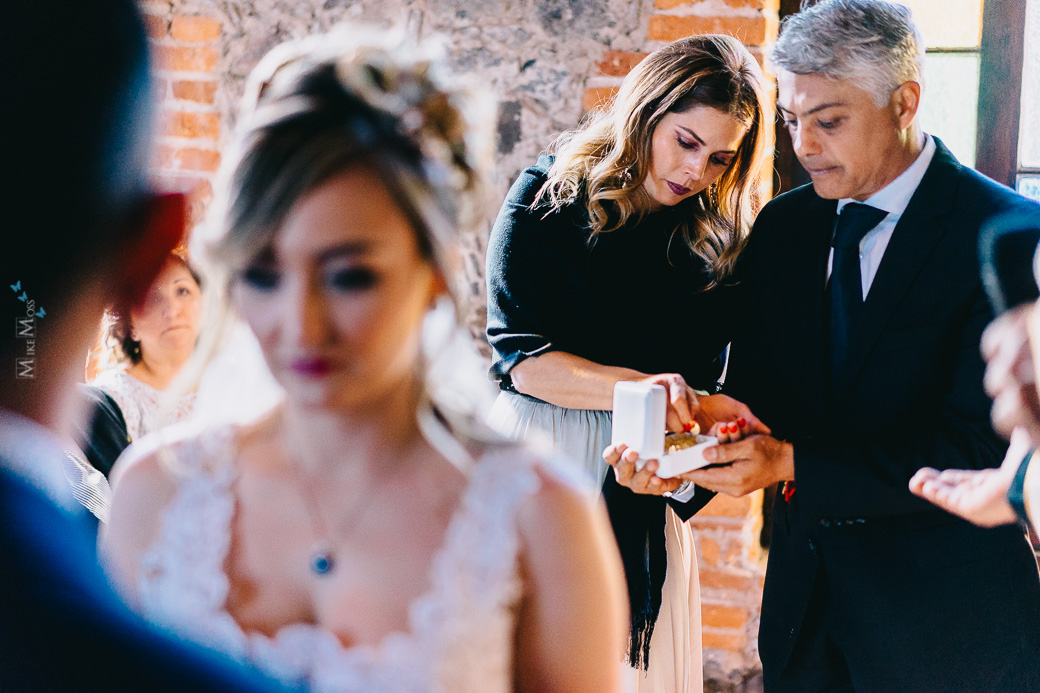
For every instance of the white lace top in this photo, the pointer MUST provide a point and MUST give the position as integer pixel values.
(461, 633)
(144, 408)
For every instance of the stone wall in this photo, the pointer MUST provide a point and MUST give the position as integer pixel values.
(547, 63)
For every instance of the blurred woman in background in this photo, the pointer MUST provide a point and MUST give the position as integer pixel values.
(141, 350)
(148, 345)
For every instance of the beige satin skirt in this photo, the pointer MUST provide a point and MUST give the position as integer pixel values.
(580, 436)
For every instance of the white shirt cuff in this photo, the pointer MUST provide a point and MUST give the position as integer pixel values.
(684, 493)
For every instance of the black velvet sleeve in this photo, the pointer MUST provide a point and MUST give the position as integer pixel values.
(531, 255)
(103, 435)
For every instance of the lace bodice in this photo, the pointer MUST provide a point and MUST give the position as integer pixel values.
(460, 636)
(144, 408)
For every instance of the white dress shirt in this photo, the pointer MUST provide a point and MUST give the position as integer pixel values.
(893, 198)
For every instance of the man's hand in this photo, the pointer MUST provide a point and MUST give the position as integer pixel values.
(749, 464)
(643, 481)
(979, 496)
(1010, 378)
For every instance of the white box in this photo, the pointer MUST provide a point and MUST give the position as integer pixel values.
(638, 422)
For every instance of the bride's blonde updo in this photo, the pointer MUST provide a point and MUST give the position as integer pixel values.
(318, 106)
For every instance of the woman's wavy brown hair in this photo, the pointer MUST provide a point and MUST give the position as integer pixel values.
(604, 163)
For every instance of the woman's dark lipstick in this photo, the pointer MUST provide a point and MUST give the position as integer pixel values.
(677, 189)
(314, 367)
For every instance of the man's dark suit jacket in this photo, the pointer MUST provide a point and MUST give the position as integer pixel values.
(63, 629)
(917, 599)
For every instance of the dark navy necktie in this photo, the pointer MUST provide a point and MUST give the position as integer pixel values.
(846, 285)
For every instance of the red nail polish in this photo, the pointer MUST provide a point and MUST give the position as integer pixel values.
(687, 427)
(732, 428)
(741, 422)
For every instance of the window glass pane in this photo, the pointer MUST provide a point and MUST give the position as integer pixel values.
(1029, 137)
(948, 23)
(949, 105)
(1029, 186)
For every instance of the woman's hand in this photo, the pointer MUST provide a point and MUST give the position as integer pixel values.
(727, 419)
(644, 480)
(682, 401)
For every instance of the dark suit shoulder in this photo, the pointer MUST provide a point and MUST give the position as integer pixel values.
(784, 218)
(793, 199)
(789, 206)
(977, 190)
(66, 630)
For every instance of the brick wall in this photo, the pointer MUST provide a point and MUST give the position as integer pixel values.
(186, 51)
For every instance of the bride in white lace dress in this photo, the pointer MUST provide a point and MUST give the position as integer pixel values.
(360, 537)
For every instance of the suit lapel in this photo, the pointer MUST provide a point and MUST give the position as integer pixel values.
(913, 241)
(807, 334)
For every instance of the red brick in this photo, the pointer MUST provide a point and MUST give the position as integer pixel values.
(205, 126)
(195, 29)
(164, 157)
(619, 63)
(728, 506)
(597, 97)
(192, 159)
(735, 550)
(156, 26)
(198, 201)
(708, 524)
(190, 90)
(719, 616)
(171, 182)
(760, 55)
(724, 641)
(187, 58)
(751, 30)
(724, 580)
(708, 549)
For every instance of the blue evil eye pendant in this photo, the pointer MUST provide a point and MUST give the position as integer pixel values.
(321, 561)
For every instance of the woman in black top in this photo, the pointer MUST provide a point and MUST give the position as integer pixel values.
(608, 262)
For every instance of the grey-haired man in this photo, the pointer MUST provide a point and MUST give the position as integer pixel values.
(858, 344)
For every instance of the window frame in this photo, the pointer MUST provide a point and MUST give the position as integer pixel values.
(1001, 57)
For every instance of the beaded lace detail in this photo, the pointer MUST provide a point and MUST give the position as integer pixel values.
(144, 408)
(460, 635)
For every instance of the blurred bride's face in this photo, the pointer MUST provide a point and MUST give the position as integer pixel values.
(337, 300)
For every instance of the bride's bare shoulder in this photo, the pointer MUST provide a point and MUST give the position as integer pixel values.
(147, 477)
